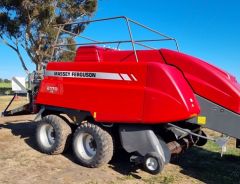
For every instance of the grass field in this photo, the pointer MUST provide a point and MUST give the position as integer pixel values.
(4, 100)
(5, 85)
(196, 165)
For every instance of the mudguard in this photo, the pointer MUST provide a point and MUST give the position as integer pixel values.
(143, 140)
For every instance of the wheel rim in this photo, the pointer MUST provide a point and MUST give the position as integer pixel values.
(47, 135)
(152, 164)
(86, 146)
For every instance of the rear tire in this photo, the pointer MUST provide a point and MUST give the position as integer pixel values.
(92, 145)
(52, 135)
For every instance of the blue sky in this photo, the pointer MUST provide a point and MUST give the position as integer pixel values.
(207, 29)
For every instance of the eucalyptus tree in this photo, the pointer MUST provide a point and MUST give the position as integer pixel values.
(28, 25)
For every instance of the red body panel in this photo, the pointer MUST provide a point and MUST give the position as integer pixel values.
(160, 88)
(168, 97)
(99, 54)
(145, 92)
(207, 80)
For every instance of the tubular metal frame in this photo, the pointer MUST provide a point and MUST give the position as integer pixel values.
(133, 42)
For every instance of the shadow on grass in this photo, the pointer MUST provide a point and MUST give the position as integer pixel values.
(196, 162)
(209, 167)
(26, 131)
(121, 164)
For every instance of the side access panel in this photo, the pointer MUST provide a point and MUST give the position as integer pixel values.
(218, 118)
(143, 140)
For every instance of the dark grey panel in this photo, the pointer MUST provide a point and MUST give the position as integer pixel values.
(143, 140)
(219, 118)
(78, 114)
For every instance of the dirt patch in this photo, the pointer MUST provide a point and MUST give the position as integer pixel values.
(21, 162)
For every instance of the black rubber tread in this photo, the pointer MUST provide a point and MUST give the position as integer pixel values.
(104, 143)
(62, 134)
(201, 141)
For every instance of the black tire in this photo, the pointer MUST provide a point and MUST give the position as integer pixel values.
(92, 145)
(201, 141)
(52, 135)
(155, 165)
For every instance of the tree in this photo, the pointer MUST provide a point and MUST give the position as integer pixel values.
(28, 24)
(6, 81)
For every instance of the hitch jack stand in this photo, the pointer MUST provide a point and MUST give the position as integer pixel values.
(10, 103)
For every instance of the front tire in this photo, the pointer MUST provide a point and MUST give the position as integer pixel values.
(52, 135)
(92, 145)
(153, 164)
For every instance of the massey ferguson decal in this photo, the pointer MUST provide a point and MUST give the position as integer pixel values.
(95, 75)
(75, 74)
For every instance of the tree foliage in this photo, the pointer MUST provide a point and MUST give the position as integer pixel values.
(6, 80)
(29, 24)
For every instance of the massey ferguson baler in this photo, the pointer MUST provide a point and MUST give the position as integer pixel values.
(152, 103)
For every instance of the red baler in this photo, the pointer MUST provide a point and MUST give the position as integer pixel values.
(152, 103)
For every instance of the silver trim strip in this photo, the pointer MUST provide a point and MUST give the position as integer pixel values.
(134, 78)
(85, 74)
(125, 77)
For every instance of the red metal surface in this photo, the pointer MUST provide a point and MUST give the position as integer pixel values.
(154, 90)
(207, 80)
(100, 54)
(154, 93)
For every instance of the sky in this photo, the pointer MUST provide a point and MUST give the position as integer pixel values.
(207, 29)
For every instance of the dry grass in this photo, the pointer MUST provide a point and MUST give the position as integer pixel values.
(20, 162)
(4, 100)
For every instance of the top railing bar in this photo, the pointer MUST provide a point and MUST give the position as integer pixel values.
(128, 21)
(112, 42)
(84, 37)
(176, 43)
(90, 21)
(131, 37)
(101, 43)
(118, 17)
(157, 32)
(150, 29)
(154, 31)
(106, 19)
(146, 46)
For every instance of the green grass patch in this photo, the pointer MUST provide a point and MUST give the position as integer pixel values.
(206, 164)
(159, 180)
(5, 85)
(231, 149)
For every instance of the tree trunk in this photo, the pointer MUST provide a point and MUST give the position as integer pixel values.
(22, 62)
(16, 49)
(38, 67)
